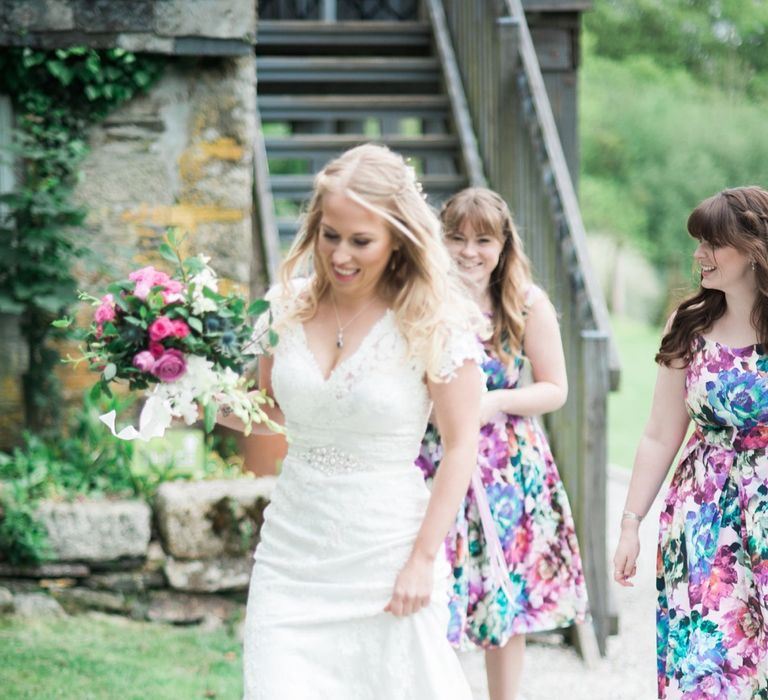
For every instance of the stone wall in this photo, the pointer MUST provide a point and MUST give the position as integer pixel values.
(188, 27)
(186, 560)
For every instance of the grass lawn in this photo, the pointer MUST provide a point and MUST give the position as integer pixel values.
(105, 658)
(628, 408)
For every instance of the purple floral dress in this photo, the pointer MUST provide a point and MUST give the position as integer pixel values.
(544, 587)
(712, 570)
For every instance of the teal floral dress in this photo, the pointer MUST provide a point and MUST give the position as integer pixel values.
(712, 571)
(513, 549)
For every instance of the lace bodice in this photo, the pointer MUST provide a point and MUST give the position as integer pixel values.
(371, 410)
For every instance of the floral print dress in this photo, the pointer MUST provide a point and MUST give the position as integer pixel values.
(538, 584)
(712, 571)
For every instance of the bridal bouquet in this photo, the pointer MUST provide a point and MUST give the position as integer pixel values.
(178, 339)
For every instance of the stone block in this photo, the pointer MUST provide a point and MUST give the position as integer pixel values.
(189, 609)
(96, 530)
(51, 570)
(36, 15)
(223, 19)
(145, 43)
(209, 575)
(37, 605)
(114, 15)
(78, 600)
(211, 519)
(126, 582)
(6, 601)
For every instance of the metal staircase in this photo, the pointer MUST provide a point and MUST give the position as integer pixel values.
(325, 87)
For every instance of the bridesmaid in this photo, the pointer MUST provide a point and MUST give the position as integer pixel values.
(516, 563)
(712, 564)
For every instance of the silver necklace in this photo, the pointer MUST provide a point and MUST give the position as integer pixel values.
(341, 328)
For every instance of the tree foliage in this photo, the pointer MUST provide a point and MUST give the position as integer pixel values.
(720, 41)
(658, 132)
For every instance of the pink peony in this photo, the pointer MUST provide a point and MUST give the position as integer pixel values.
(106, 311)
(146, 278)
(144, 361)
(160, 328)
(170, 366)
(180, 329)
(156, 349)
(173, 291)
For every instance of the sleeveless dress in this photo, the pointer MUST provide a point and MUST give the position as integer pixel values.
(340, 526)
(712, 570)
(513, 549)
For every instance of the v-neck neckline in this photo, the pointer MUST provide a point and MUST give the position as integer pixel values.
(366, 339)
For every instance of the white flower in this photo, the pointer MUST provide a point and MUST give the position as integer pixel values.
(206, 278)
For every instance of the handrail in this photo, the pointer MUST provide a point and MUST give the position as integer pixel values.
(264, 213)
(564, 203)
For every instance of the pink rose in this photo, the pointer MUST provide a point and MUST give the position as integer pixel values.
(144, 361)
(106, 311)
(146, 278)
(156, 349)
(170, 366)
(173, 291)
(180, 329)
(160, 328)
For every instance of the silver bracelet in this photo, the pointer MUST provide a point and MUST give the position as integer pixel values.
(629, 515)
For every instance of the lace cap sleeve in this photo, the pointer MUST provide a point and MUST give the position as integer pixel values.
(461, 345)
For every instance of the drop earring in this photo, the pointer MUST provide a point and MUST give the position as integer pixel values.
(753, 265)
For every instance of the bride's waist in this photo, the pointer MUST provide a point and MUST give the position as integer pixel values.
(334, 461)
(329, 455)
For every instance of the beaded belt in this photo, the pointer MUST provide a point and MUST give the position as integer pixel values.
(330, 460)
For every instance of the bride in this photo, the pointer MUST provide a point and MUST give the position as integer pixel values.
(348, 598)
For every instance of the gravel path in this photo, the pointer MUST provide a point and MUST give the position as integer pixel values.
(628, 672)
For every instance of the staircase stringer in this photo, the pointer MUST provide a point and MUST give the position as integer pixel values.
(454, 88)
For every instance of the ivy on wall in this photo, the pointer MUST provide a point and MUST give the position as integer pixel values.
(57, 95)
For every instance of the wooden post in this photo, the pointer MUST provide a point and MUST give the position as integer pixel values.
(328, 10)
(592, 492)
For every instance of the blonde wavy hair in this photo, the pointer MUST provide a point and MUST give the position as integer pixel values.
(420, 283)
(488, 214)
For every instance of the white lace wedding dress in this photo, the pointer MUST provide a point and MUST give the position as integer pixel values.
(340, 526)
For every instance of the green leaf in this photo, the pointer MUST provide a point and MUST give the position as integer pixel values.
(210, 416)
(167, 252)
(211, 294)
(273, 337)
(195, 324)
(96, 391)
(62, 322)
(258, 307)
(109, 372)
(171, 236)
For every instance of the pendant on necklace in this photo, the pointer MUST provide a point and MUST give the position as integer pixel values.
(339, 340)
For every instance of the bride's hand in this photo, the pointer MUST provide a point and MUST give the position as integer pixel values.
(413, 587)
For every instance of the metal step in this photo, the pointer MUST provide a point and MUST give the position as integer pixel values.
(298, 187)
(347, 69)
(327, 146)
(313, 107)
(362, 38)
